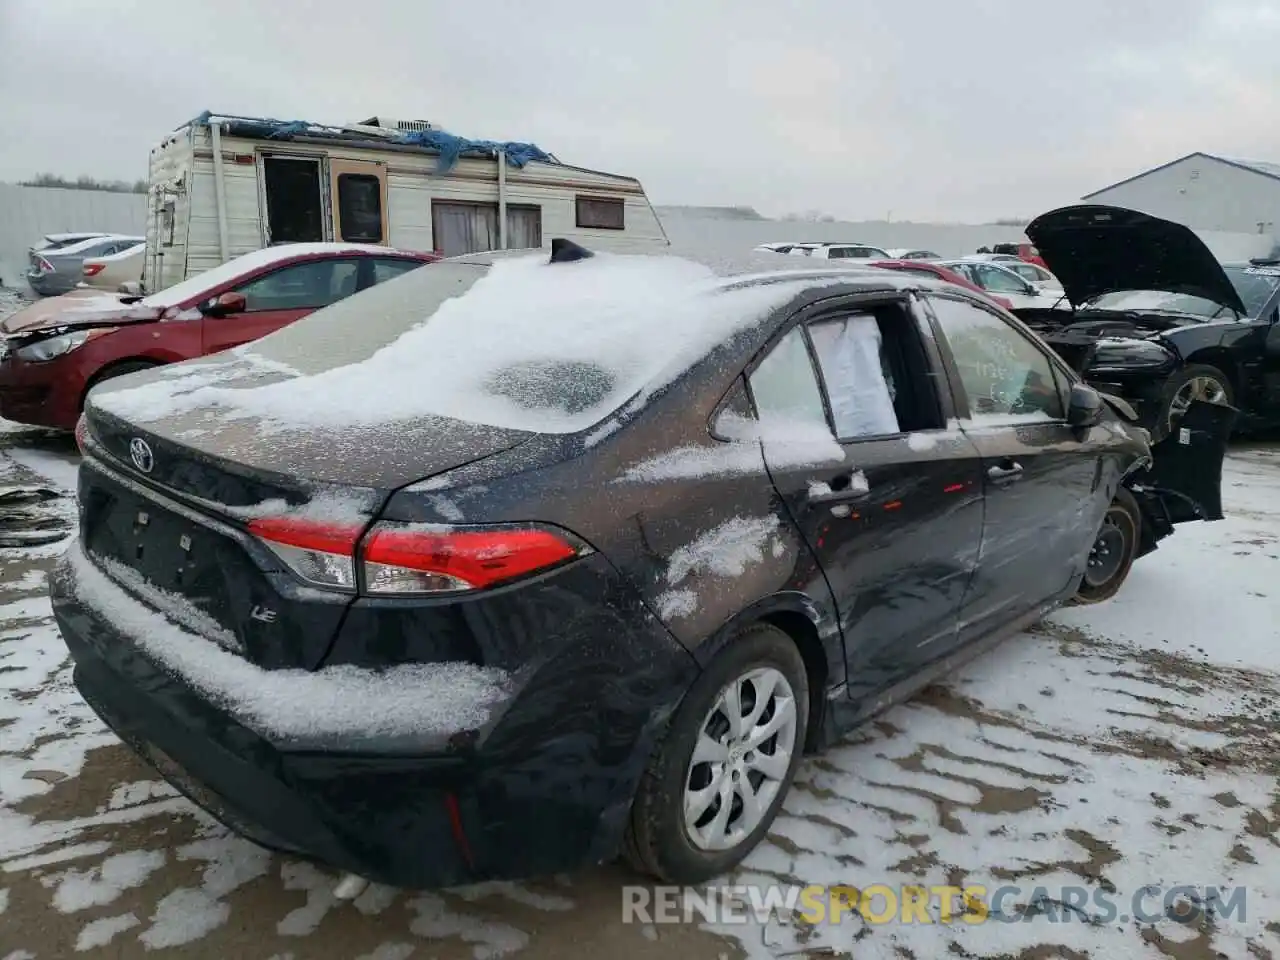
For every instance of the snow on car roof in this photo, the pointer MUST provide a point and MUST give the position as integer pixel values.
(194, 286)
(529, 345)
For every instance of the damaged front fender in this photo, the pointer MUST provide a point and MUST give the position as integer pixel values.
(1183, 481)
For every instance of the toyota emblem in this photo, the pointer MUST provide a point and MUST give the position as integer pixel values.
(141, 454)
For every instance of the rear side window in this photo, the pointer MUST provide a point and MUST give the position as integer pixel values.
(861, 384)
(360, 207)
(1004, 374)
(784, 386)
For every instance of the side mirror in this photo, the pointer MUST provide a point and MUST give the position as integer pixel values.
(1084, 408)
(224, 304)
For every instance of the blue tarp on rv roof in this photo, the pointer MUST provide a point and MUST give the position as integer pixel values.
(448, 146)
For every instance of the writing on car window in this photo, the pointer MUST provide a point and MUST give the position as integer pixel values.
(1002, 372)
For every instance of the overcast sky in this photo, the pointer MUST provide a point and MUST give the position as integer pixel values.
(930, 110)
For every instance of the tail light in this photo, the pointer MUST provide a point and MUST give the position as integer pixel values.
(318, 552)
(408, 558)
(82, 433)
(93, 269)
(43, 265)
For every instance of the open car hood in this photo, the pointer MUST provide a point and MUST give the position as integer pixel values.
(1095, 249)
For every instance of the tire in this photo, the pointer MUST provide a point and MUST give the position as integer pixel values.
(1113, 550)
(658, 841)
(1198, 378)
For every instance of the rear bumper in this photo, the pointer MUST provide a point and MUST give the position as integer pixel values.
(51, 284)
(546, 789)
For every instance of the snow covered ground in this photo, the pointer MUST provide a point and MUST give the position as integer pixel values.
(1120, 746)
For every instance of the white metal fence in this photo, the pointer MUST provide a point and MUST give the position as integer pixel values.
(28, 213)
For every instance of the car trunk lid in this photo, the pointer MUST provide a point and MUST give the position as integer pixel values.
(167, 509)
(1094, 249)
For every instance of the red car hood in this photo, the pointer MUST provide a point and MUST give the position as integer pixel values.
(80, 308)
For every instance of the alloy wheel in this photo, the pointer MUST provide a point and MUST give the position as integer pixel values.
(1207, 389)
(740, 760)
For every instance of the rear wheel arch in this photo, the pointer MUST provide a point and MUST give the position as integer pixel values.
(804, 634)
(799, 624)
(656, 841)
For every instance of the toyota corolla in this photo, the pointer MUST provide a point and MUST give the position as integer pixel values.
(505, 566)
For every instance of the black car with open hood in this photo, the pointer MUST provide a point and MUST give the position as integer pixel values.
(1156, 318)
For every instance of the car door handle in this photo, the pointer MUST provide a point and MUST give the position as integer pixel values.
(1007, 474)
(855, 489)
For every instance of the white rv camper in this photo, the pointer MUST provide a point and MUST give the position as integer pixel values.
(222, 186)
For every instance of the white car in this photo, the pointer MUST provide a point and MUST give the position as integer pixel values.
(116, 269)
(998, 279)
(1034, 274)
(839, 251)
(784, 247)
(911, 253)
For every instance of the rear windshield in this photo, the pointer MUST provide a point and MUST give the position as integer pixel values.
(522, 344)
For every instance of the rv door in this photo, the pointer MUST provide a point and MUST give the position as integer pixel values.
(359, 191)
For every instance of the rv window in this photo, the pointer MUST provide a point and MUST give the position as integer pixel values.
(524, 227)
(601, 213)
(360, 207)
(459, 228)
(295, 213)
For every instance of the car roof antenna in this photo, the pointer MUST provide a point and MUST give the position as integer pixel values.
(566, 251)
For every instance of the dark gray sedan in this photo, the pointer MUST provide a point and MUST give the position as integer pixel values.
(56, 271)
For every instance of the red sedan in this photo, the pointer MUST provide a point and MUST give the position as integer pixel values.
(942, 273)
(54, 351)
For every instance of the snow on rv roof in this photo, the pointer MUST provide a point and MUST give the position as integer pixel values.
(194, 286)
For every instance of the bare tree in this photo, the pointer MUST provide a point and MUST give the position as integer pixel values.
(85, 183)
